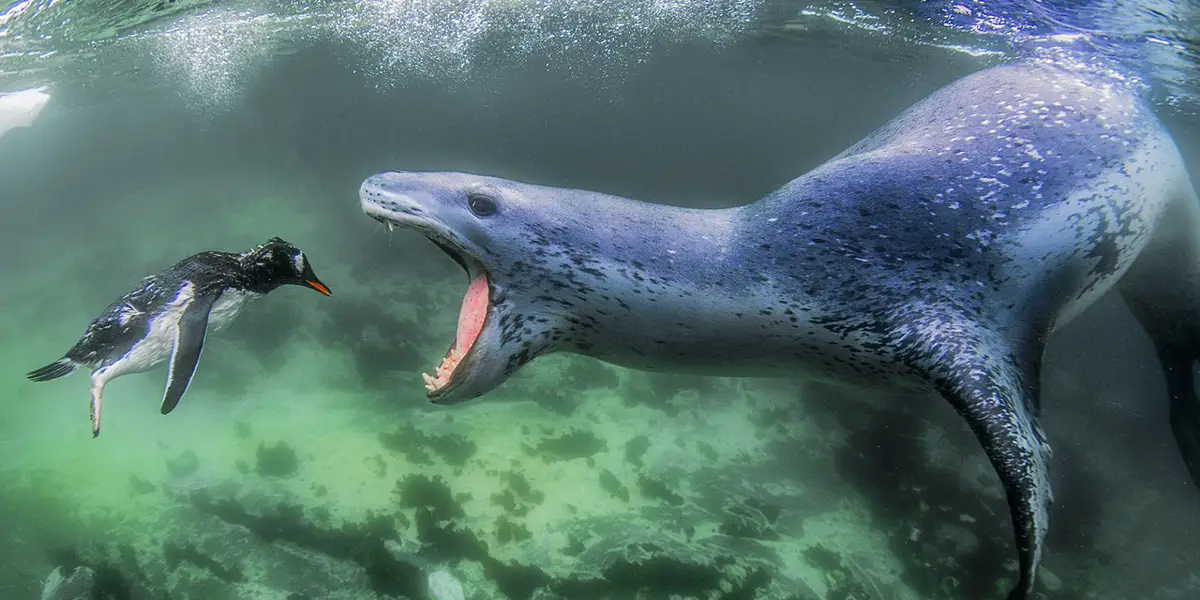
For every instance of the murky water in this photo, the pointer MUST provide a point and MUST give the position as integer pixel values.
(305, 461)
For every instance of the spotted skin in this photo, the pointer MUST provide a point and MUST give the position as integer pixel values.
(141, 329)
(938, 253)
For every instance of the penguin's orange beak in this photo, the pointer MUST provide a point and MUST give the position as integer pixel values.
(317, 285)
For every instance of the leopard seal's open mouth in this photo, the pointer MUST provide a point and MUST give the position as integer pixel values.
(400, 210)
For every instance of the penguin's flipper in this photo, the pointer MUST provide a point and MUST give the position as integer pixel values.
(185, 352)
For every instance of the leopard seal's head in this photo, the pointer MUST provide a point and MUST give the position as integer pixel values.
(533, 257)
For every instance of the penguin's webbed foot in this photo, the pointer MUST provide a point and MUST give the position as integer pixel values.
(94, 408)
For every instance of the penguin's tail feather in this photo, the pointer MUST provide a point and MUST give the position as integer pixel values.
(59, 368)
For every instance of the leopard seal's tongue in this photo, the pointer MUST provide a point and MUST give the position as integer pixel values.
(471, 317)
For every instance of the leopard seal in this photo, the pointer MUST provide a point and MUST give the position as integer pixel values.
(937, 253)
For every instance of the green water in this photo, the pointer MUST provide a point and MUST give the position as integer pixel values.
(305, 461)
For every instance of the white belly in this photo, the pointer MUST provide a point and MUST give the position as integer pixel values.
(156, 347)
(1128, 207)
(160, 339)
(227, 307)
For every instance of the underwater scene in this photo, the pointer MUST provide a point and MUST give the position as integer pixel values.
(599, 300)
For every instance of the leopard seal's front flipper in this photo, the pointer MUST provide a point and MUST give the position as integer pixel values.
(992, 384)
(938, 254)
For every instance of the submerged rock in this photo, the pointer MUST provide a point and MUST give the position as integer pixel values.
(186, 463)
(76, 586)
(443, 586)
(276, 461)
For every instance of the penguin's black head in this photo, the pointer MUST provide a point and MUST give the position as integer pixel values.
(277, 263)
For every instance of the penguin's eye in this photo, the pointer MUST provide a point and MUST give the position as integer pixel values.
(481, 205)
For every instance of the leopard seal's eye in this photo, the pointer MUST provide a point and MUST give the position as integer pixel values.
(481, 205)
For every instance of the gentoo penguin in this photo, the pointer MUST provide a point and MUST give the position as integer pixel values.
(169, 314)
